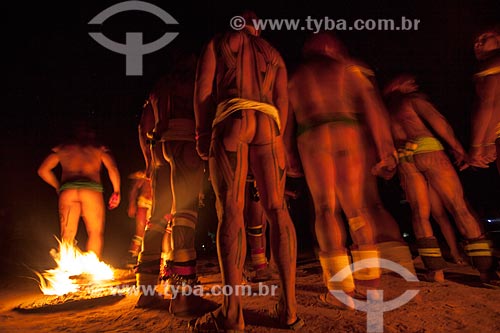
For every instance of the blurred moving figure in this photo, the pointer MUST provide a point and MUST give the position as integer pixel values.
(486, 119)
(423, 163)
(331, 99)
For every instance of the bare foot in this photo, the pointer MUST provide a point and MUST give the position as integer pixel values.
(458, 259)
(435, 276)
(331, 300)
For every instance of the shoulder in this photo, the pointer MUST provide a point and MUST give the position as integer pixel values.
(57, 149)
(359, 67)
(104, 149)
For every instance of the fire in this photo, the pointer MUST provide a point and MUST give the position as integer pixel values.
(75, 269)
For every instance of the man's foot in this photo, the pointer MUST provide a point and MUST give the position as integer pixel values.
(184, 306)
(150, 302)
(434, 276)
(295, 323)
(261, 275)
(330, 300)
(131, 260)
(458, 259)
(211, 322)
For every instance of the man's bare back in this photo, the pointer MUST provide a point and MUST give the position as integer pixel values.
(321, 83)
(81, 162)
(409, 120)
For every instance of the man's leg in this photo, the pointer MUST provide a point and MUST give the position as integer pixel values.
(69, 215)
(255, 220)
(440, 215)
(268, 166)
(187, 176)
(445, 181)
(93, 215)
(320, 173)
(140, 225)
(228, 170)
(150, 257)
(417, 194)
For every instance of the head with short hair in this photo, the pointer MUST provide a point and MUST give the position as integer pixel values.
(250, 17)
(81, 131)
(326, 44)
(487, 42)
(403, 83)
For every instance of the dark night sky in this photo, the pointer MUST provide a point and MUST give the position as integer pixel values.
(55, 72)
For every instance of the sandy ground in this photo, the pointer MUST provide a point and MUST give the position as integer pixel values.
(458, 305)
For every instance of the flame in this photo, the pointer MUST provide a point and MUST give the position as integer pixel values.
(73, 264)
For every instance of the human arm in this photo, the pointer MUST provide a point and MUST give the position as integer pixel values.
(45, 170)
(132, 198)
(294, 166)
(146, 125)
(482, 136)
(377, 120)
(426, 111)
(114, 176)
(280, 94)
(204, 105)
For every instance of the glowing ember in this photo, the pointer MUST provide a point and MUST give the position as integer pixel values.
(75, 269)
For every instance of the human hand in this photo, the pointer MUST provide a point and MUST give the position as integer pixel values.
(476, 157)
(294, 167)
(132, 210)
(490, 153)
(114, 200)
(203, 145)
(461, 159)
(386, 168)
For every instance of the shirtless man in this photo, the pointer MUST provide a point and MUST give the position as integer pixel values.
(424, 163)
(388, 236)
(170, 110)
(80, 189)
(154, 259)
(241, 106)
(486, 119)
(329, 95)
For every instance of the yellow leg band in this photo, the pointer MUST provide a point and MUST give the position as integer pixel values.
(479, 249)
(332, 264)
(396, 252)
(430, 252)
(167, 256)
(185, 219)
(356, 223)
(259, 258)
(369, 273)
(183, 255)
(255, 231)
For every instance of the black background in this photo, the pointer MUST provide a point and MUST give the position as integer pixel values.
(55, 72)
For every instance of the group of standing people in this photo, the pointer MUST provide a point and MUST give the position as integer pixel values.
(237, 109)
